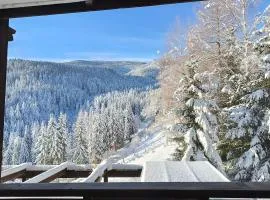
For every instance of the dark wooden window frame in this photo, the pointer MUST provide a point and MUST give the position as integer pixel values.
(107, 190)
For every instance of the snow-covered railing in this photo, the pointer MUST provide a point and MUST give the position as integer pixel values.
(34, 172)
(14, 172)
(50, 174)
(100, 169)
(109, 165)
(28, 170)
(123, 171)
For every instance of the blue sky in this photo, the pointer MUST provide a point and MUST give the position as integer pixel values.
(127, 34)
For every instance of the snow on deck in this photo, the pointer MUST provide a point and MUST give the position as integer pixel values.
(182, 171)
(126, 167)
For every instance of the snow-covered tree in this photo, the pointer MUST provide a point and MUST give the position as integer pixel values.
(254, 164)
(246, 142)
(207, 38)
(129, 124)
(10, 150)
(35, 131)
(80, 152)
(196, 111)
(152, 107)
(54, 140)
(16, 150)
(26, 147)
(59, 139)
(100, 142)
(42, 146)
(64, 136)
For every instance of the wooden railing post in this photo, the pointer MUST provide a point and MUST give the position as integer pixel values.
(105, 177)
(4, 26)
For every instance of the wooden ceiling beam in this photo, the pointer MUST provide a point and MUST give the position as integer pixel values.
(83, 6)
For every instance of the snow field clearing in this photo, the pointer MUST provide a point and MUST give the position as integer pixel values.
(149, 144)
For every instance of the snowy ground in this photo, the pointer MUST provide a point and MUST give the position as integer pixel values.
(151, 143)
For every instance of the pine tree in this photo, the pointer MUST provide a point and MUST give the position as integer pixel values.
(230, 90)
(26, 147)
(130, 127)
(53, 141)
(80, 153)
(119, 128)
(100, 147)
(58, 132)
(254, 164)
(35, 132)
(196, 111)
(42, 146)
(246, 142)
(91, 135)
(63, 132)
(10, 150)
(16, 150)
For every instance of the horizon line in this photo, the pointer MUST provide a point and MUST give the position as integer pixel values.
(142, 60)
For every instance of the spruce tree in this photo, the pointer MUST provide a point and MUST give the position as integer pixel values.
(10, 150)
(254, 164)
(80, 153)
(26, 147)
(16, 150)
(35, 131)
(247, 132)
(53, 141)
(64, 135)
(196, 112)
(42, 146)
(58, 134)
(129, 123)
(100, 145)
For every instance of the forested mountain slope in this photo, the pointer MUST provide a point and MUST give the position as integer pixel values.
(37, 89)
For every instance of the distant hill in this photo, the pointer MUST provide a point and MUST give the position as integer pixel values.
(132, 68)
(150, 70)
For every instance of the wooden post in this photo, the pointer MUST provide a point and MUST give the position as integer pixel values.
(4, 26)
(24, 179)
(106, 178)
